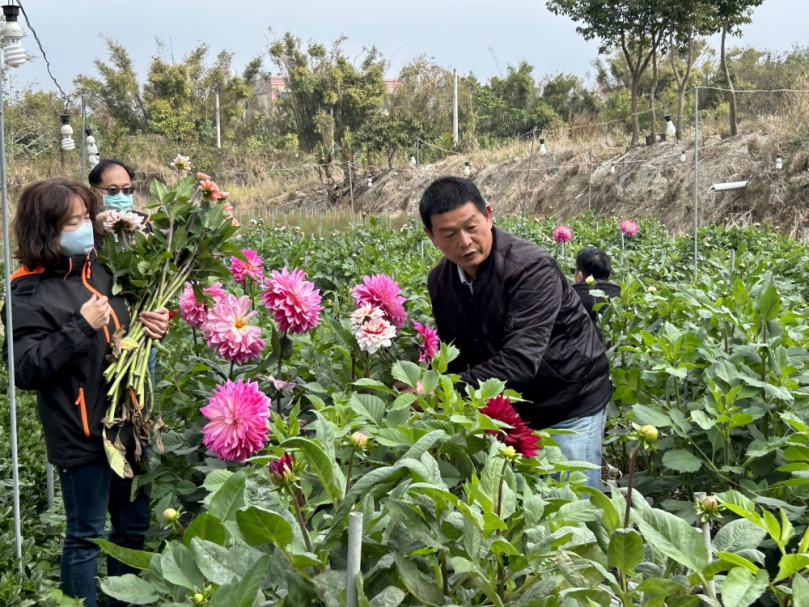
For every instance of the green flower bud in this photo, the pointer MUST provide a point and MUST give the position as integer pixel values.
(198, 598)
(170, 515)
(359, 440)
(510, 452)
(649, 433)
(709, 504)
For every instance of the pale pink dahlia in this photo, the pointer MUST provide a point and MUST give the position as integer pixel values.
(429, 341)
(375, 334)
(252, 267)
(181, 164)
(293, 301)
(193, 312)
(227, 330)
(363, 314)
(629, 228)
(562, 234)
(384, 293)
(238, 414)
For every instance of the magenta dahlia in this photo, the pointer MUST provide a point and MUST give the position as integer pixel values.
(429, 341)
(228, 331)
(562, 234)
(195, 313)
(629, 228)
(252, 267)
(382, 292)
(519, 435)
(293, 301)
(238, 414)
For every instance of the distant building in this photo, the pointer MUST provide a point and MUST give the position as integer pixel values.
(275, 88)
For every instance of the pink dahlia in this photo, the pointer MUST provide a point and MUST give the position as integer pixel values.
(210, 191)
(375, 334)
(382, 292)
(181, 164)
(562, 234)
(203, 177)
(363, 314)
(195, 313)
(429, 341)
(238, 414)
(227, 330)
(293, 301)
(242, 269)
(629, 228)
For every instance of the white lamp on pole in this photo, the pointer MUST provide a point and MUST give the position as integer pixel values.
(612, 169)
(467, 171)
(13, 52)
(682, 156)
(542, 149)
(67, 133)
(671, 130)
(779, 163)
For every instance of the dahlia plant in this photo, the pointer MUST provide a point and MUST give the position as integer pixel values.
(189, 238)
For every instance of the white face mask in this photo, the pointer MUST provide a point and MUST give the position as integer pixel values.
(78, 242)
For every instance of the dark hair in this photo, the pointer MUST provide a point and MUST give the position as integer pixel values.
(448, 193)
(96, 176)
(594, 262)
(43, 211)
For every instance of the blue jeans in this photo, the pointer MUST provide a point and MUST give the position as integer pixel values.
(89, 492)
(585, 445)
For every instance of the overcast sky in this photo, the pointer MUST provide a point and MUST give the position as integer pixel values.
(470, 35)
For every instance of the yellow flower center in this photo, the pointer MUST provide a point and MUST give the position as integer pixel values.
(240, 323)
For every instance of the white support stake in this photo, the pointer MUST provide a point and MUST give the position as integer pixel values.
(354, 557)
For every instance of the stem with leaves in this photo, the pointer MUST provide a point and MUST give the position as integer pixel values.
(632, 464)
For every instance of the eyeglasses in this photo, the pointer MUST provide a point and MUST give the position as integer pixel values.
(114, 190)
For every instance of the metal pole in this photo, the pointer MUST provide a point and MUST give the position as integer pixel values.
(455, 108)
(527, 176)
(354, 557)
(12, 397)
(218, 124)
(351, 189)
(83, 158)
(696, 177)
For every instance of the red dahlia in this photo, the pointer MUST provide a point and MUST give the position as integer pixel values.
(519, 435)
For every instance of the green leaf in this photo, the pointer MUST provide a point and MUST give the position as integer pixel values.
(800, 592)
(738, 561)
(791, 564)
(417, 584)
(741, 588)
(681, 461)
(319, 463)
(393, 596)
(421, 446)
(129, 588)
(769, 304)
(673, 537)
(655, 587)
(242, 593)
(625, 550)
(206, 527)
(229, 498)
(490, 388)
(369, 406)
(139, 559)
(646, 415)
(407, 372)
(179, 568)
(260, 526)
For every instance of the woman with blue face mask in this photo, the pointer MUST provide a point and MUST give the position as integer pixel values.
(64, 317)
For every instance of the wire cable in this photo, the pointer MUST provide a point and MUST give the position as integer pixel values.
(44, 56)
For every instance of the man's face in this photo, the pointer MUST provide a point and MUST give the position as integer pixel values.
(464, 236)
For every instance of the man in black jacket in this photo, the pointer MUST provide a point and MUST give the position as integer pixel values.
(593, 269)
(509, 309)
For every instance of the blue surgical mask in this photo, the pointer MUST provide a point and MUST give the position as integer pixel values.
(119, 202)
(78, 242)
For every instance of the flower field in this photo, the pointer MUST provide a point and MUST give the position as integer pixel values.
(282, 407)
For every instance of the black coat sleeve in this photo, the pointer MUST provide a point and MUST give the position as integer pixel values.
(39, 351)
(535, 298)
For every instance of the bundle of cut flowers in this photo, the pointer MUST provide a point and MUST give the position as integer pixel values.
(189, 240)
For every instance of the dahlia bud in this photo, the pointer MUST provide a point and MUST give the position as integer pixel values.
(359, 440)
(709, 504)
(652, 289)
(198, 598)
(510, 452)
(281, 469)
(649, 433)
(590, 280)
(170, 515)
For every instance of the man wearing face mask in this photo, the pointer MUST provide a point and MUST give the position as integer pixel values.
(113, 180)
(64, 317)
